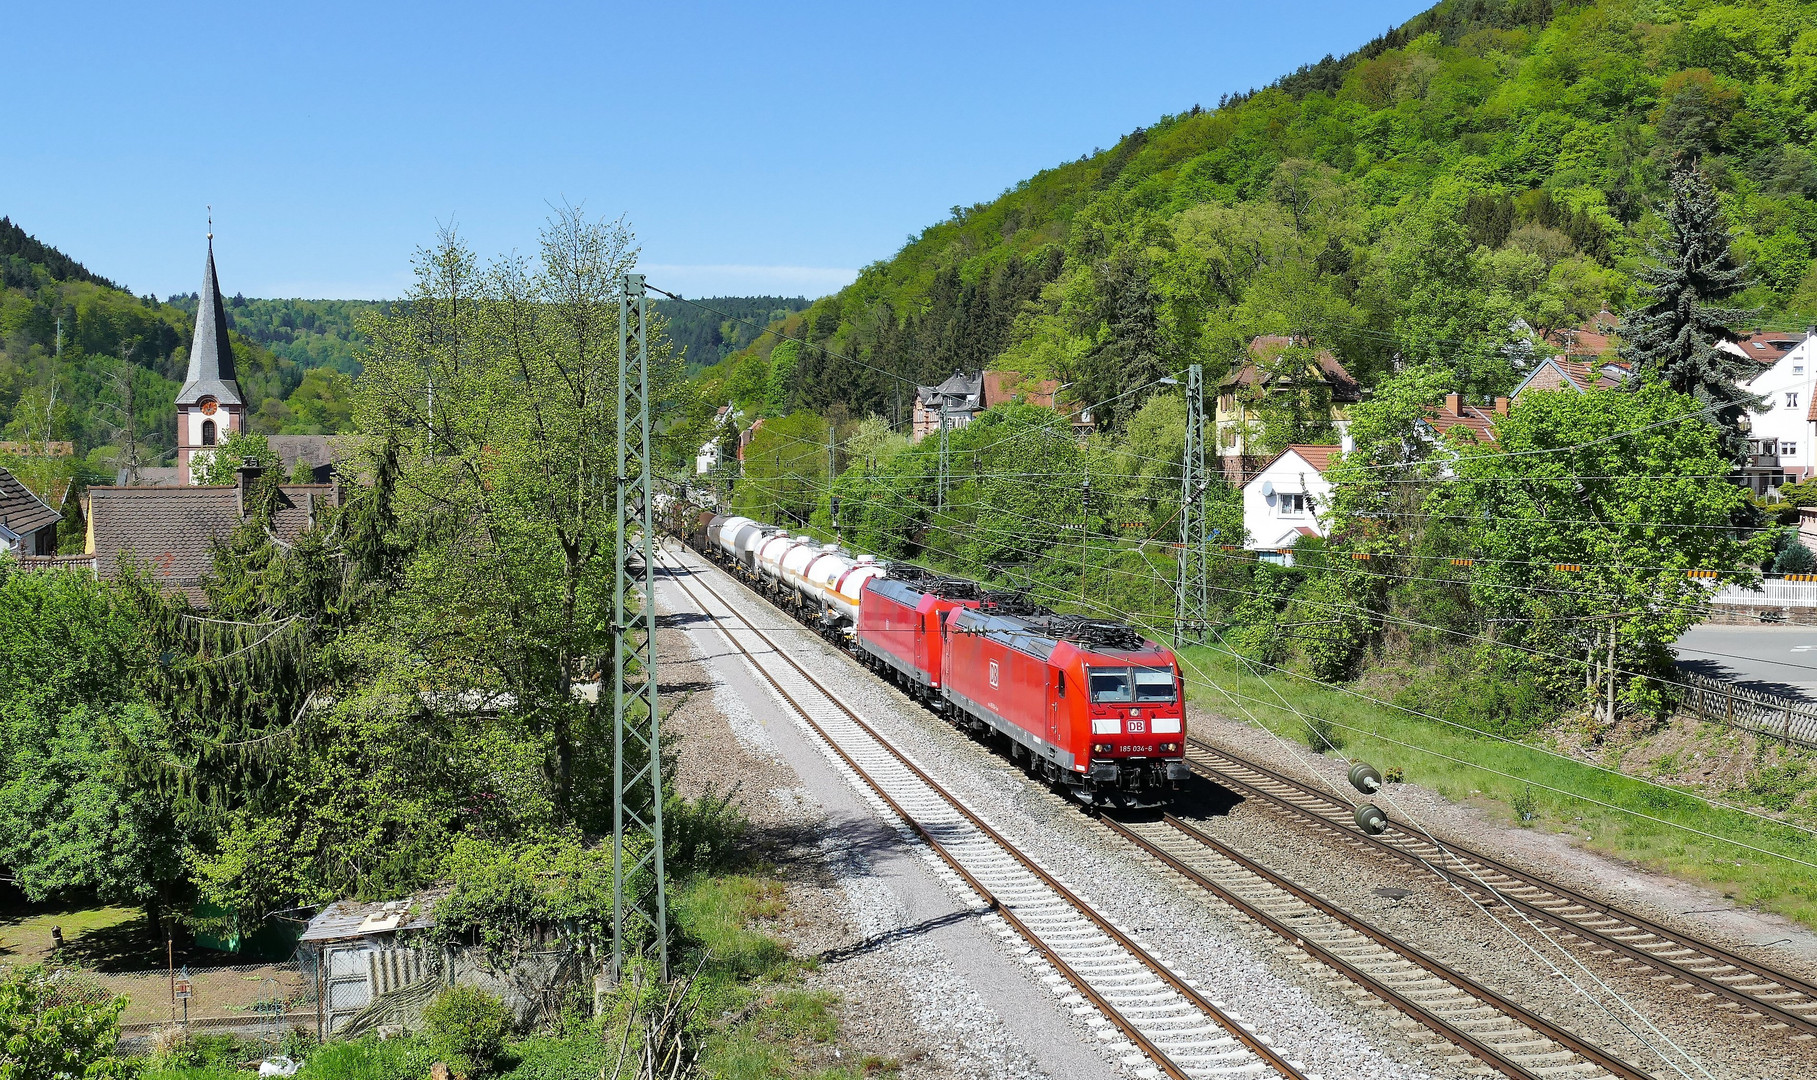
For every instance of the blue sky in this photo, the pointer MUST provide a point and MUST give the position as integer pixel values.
(755, 148)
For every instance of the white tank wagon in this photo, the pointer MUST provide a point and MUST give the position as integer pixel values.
(820, 581)
(739, 538)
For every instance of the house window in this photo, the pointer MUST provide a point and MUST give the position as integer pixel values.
(1788, 449)
(1292, 504)
(1791, 400)
(208, 433)
(1798, 369)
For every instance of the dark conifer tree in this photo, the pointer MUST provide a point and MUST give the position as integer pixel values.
(1675, 334)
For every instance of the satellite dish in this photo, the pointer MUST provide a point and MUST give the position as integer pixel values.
(1267, 488)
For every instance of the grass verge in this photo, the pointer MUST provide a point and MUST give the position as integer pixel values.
(1658, 828)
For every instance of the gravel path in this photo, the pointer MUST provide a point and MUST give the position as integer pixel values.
(1237, 963)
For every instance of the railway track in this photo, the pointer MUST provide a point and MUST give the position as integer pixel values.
(1782, 1001)
(1168, 1027)
(1499, 1033)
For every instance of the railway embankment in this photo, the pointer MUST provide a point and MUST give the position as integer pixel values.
(1718, 819)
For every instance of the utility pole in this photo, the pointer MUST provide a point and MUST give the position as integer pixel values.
(1084, 529)
(639, 888)
(940, 497)
(1192, 609)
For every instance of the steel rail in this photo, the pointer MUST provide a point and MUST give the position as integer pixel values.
(1453, 862)
(1236, 1029)
(1480, 1048)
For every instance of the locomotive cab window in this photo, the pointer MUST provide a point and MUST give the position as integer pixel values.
(1154, 684)
(1109, 684)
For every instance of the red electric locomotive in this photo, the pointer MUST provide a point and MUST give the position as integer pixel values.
(1088, 704)
(900, 619)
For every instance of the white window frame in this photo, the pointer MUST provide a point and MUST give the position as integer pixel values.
(1293, 503)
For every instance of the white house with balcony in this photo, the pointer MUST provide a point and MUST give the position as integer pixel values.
(1286, 500)
(1781, 433)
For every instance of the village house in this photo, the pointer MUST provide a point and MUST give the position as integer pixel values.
(28, 524)
(952, 404)
(962, 397)
(1322, 384)
(1283, 500)
(1782, 430)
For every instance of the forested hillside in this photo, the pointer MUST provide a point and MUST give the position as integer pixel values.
(707, 331)
(1487, 162)
(310, 333)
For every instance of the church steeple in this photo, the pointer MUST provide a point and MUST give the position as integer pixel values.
(209, 407)
(210, 354)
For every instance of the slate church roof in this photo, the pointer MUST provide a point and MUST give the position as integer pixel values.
(211, 371)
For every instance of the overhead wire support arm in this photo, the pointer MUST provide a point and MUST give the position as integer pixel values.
(639, 886)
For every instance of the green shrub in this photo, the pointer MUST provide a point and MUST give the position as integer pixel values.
(48, 1033)
(467, 1027)
(370, 1058)
(566, 1057)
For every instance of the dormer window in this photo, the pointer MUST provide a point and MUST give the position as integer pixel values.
(208, 433)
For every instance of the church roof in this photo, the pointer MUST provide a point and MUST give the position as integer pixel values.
(210, 354)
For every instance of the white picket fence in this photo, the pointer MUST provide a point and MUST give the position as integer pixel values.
(1771, 593)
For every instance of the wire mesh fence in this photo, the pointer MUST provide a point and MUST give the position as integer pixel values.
(338, 990)
(242, 999)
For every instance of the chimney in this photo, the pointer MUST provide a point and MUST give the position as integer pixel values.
(1454, 404)
(1501, 406)
(244, 477)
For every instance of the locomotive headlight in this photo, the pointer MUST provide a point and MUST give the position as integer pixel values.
(1168, 747)
(1100, 748)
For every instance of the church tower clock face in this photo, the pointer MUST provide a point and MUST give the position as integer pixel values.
(209, 406)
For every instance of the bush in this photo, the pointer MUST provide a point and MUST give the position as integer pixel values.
(369, 1058)
(467, 1028)
(47, 1032)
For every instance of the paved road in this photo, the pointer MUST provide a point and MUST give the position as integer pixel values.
(1780, 659)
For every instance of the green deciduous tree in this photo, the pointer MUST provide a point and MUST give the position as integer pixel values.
(500, 387)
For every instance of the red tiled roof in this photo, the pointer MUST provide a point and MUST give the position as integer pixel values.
(1319, 457)
(1480, 423)
(1001, 387)
(1344, 388)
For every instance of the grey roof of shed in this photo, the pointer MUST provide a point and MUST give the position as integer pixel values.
(21, 512)
(211, 371)
(345, 919)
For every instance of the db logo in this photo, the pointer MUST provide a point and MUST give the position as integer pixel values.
(1138, 727)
